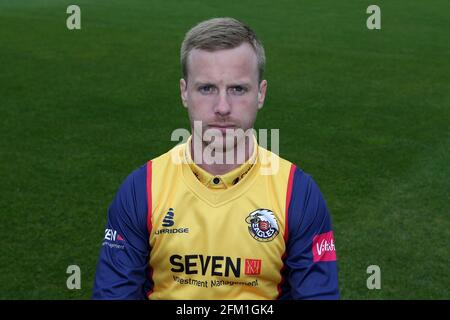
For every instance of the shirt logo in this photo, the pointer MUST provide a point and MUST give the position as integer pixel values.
(113, 239)
(168, 219)
(214, 266)
(323, 247)
(112, 235)
(263, 225)
(252, 267)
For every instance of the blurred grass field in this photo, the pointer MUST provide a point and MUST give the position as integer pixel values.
(365, 112)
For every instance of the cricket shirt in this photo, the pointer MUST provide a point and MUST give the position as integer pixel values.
(175, 231)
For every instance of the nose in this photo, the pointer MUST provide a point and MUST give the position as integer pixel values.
(222, 106)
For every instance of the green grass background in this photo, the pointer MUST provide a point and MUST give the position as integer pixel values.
(365, 112)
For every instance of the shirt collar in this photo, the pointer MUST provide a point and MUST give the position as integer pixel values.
(226, 180)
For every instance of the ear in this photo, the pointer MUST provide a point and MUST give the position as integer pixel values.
(262, 93)
(183, 92)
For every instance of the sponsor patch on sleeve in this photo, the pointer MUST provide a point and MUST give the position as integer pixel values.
(113, 239)
(323, 247)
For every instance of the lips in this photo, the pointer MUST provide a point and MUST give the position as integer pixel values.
(222, 127)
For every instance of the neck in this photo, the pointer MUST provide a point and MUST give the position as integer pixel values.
(223, 166)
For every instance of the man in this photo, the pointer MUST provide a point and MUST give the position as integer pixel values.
(210, 219)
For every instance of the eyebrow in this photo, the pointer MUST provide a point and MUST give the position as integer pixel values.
(201, 83)
(236, 84)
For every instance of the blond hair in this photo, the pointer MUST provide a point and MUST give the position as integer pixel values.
(221, 33)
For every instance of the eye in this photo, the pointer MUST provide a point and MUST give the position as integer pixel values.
(206, 89)
(238, 90)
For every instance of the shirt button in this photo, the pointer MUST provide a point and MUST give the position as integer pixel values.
(216, 180)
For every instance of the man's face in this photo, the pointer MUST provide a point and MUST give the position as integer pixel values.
(222, 90)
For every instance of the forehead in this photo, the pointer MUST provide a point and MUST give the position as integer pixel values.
(224, 64)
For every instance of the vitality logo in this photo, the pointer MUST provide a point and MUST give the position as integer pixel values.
(323, 248)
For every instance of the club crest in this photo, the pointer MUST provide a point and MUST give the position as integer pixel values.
(263, 225)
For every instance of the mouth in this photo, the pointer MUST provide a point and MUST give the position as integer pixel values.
(222, 127)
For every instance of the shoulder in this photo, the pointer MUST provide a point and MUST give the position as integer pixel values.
(176, 155)
(135, 180)
(303, 183)
(138, 177)
(130, 204)
(307, 205)
(301, 180)
(271, 164)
